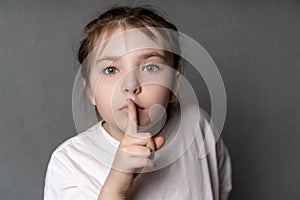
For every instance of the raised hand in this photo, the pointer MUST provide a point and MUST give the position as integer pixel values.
(134, 153)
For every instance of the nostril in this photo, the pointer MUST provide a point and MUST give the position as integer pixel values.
(134, 90)
(137, 90)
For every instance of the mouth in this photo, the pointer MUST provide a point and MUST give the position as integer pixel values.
(125, 107)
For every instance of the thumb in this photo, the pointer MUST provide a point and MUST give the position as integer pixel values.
(159, 142)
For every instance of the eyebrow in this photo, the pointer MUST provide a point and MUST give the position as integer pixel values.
(145, 55)
(153, 54)
(109, 58)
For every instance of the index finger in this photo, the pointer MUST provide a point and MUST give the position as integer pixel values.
(132, 118)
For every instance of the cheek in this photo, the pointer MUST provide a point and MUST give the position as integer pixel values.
(103, 99)
(156, 94)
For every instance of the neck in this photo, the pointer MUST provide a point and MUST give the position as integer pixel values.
(113, 132)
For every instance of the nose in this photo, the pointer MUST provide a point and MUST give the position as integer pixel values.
(131, 84)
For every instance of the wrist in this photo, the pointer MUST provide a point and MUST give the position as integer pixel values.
(118, 182)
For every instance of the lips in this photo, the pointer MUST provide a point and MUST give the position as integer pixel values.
(125, 107)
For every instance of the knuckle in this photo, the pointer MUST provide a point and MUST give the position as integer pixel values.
(148, 135)
(124, 141)
(145, 135)
(148, 152)
(124, 149)
(145, 162)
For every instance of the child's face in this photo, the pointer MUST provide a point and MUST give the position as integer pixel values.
(144, 76)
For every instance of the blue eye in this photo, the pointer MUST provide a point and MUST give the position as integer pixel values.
(151, 68)
(110, 70)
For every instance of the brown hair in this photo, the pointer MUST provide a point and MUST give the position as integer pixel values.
(107, 22)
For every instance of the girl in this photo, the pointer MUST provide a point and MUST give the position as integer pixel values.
(146, 144)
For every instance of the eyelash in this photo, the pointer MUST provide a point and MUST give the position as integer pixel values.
(151, 65)
(107, 71)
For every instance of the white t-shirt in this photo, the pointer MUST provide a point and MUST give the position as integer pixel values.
(191, 165)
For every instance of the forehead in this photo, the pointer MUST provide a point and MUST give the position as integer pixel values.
(146, 40)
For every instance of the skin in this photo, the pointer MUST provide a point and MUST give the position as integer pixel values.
(135, 150)
(142, 76)
(127, 89)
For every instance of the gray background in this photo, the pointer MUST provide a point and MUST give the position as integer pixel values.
(254, 43)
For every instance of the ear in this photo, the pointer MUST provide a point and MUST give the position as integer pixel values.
(88, 92)
(174, 92)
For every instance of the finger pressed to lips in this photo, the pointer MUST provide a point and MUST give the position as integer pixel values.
(132, 118)
(125, 107)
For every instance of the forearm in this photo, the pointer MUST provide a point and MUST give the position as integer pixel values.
(116, 186)
(106, 194)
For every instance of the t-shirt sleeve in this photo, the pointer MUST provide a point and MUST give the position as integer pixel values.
(224, 168)
(58, 184)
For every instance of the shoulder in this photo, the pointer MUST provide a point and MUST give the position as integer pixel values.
(71, 150)
(67, 146)
(67, 161)
(206, 134)
(69, 143)
(209, 144)
(76, 141)
(62, 180)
